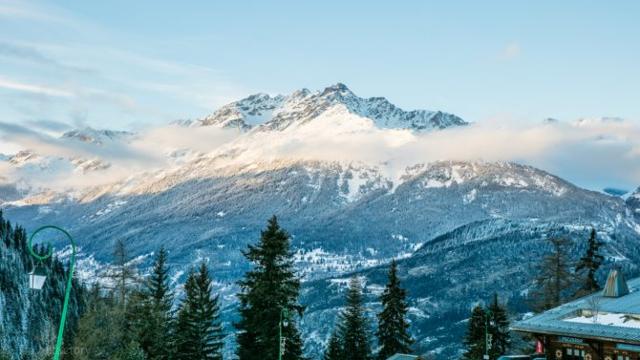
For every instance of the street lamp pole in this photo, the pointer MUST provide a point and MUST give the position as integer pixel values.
(284, 314)
(487, 336)
(41, 258)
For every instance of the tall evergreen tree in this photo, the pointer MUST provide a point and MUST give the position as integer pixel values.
(554, 277)
(354, 331)
(393, 328)
(474, 339)
(198, 330)
(334, 350)
(266, 291)
(498, 328)
(153, 315)
(589, 264)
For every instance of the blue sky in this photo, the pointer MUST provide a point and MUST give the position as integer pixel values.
(126, 64)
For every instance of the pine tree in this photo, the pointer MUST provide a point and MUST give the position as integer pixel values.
(590, 263)
(185, 341)
(354, 331)
(334, 349)
(133, 351)
(267, 290)
(153, 315)
(393, 328)
(498, 328)
(554, 277)
(198, 330)
(474, 339)
(100, 332)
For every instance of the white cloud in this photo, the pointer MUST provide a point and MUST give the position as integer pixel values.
(594, 153)
(25, 10)
(147, 152)
(169, 138)
(34, 89)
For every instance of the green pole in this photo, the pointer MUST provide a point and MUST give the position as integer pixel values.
(486, 334)
(486, 337)
(67, 293)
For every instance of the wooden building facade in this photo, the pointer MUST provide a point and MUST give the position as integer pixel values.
(600, 326)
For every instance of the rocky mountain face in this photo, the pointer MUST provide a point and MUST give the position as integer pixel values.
(263, 112)
(633, 201)
(462, 229)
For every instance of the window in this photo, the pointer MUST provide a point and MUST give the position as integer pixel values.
(577, 354)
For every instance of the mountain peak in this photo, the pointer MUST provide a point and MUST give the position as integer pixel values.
(267, 113)
(338, 88)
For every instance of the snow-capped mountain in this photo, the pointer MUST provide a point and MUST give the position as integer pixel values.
(456, 223)
(462, 228)
(279, 112)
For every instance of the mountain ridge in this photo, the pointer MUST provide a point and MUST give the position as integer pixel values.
(264, 112)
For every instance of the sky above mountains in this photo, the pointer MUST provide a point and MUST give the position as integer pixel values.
(122, 64)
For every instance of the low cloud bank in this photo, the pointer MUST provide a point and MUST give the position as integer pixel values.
(592, 153)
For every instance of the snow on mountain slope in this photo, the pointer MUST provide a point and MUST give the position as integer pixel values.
(633, 201)
(377, 210)
(264, 112)
(246, 113)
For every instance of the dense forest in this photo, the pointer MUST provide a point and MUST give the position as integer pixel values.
(132, 316)
(29, 318)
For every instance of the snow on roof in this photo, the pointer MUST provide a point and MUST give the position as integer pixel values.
(616, 318)
(611, 319)
(403, 357)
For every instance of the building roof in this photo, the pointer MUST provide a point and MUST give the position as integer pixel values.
(403, 357)
(593, 317)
